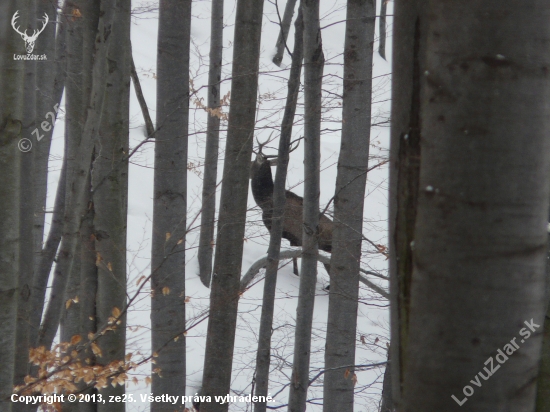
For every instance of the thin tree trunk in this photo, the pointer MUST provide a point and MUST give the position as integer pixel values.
(382, 29)
(45, 103)
(279, 200)
(224, 297)
(170, 202)
(110, 200)
(11, 112)
(49, 92)
(283, 33)
(206, 242)
(478, 280)
(313, 77)
(349, 200)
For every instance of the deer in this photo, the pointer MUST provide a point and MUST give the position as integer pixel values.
(261, 182)
(29, 40)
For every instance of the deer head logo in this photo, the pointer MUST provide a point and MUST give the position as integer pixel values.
(29, 40)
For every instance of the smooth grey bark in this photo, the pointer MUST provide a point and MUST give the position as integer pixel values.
(50, 40)
(11, 117)
(224, 295)
(26, 214)
(49, 92)
(480, 239)
(110, 202)
(208, 213)
(543, 379)
(80, 154)
(283, 33)
(404, 175)
(170, 202)
(279, 199)
(382, 29)
(386, 404)
(349, 200)
(313, 78)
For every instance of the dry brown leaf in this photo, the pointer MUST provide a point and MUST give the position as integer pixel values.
(116, 312)
(76, 339)
(165, 290)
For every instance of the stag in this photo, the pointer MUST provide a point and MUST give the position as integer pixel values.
(29, 40)
(261, 181)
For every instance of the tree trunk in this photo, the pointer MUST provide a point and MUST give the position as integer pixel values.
(543, 379)
(349, 200)
(206, 242)
(49, 92)
(283, 33)
(279, 200)
(404, 174)
(11, 112)
(26, 214)
(224, 297)
(110, 200)
(170, 201)
(46, 100)
(480, 240)
(313, 77)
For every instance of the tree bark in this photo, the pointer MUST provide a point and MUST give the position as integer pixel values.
(480, 240)
(543, 379)
(170, 201)
(279, 199)
(11, 118)
(404, 175)
(206, 241)
(224, 296)
(313, 77)
(283, 33)
(110, 204)
(26, 214)
(349, 200)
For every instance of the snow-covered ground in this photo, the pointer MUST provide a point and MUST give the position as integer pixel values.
(373, 321)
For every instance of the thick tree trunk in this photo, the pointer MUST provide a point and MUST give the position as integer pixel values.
(11, 112)
(404, 174)
(110, 201)
(479, 247)
(543, 379)
(313, 78)
(26, 215)
(349, 201)
(283, 33)
(224, 297)
(279, 199)
(170, 201)
(206, 242)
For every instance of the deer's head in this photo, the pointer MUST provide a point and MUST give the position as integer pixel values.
(29, 40)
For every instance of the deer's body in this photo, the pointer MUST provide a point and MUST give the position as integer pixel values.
(262, 190)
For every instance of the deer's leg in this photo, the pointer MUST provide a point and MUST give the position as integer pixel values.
(295, 266)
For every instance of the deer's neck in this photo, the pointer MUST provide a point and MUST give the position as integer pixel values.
(262, 186)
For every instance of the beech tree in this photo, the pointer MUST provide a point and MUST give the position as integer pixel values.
(469, 108)
(170, 201)
(313, 77)
(349, 199)
(11, 112)
(225, 287)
